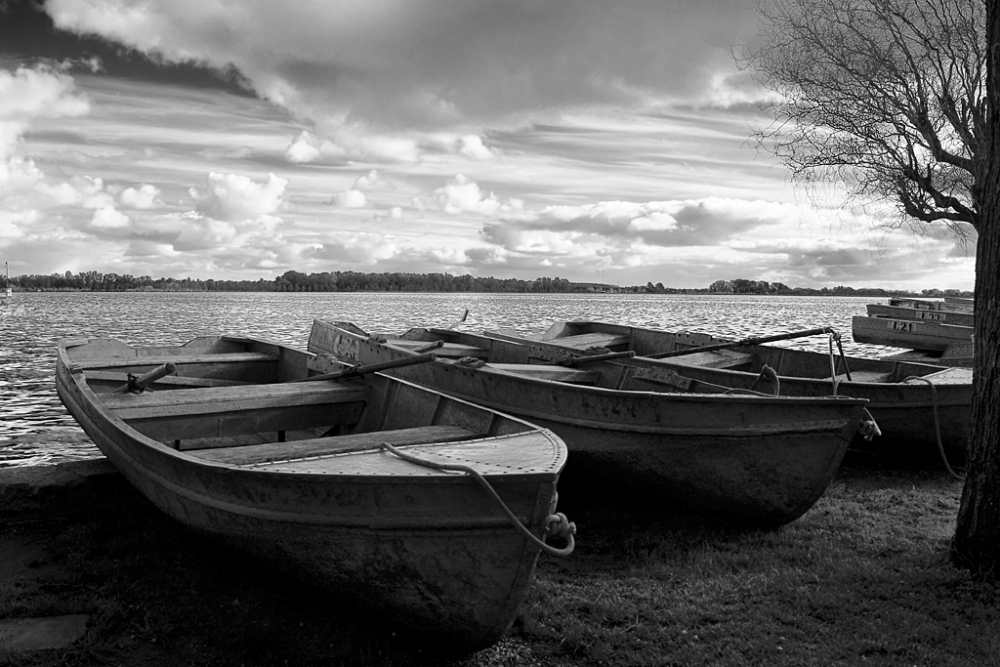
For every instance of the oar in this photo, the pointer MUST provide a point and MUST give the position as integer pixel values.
(355, 371)
(753, 340)
(583, 358)
(137, 385)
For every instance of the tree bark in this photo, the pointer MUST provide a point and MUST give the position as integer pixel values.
(976, 544)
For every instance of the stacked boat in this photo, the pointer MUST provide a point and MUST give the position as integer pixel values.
(936, 330)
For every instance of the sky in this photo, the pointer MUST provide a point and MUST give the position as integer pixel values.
(591, 140)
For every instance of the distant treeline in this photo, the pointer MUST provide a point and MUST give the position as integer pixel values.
(744, 286)
(353, 281)
(291, 281)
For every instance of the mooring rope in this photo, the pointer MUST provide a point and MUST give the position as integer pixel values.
(766, 372)
(937, 425)
(555, 525)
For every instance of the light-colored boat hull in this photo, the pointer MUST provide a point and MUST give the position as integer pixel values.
(906, 333)
(426, 549)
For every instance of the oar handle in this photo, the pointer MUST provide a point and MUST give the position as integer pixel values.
(430, 346)
(138, 384)
(753, 340)
(355, 371)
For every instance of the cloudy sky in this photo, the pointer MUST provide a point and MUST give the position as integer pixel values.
(599, 140)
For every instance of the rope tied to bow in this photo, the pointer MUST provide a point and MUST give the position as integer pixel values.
(554, 525)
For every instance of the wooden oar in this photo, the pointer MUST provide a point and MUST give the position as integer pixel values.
(583, 358)
(743, 343)
(355, 371)
(137, 385)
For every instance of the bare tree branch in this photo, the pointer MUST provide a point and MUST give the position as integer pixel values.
(885, 96)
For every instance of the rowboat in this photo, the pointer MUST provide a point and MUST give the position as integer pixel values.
(920, 409)
(965, 319)
(427, 509)
(953, 304)
(744, 458)
(909, 333)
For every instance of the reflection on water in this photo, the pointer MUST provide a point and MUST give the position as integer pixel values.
(36, 429)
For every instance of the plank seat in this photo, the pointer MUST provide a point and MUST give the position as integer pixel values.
(546, 372)
(233, 410)
(725, 359)
(176, 359)
(448, 350)
(866, 376)
(247, 455)
(956, 375)
(589, 340)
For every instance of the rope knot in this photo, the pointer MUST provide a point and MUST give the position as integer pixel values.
(557, 525)
(471, 362)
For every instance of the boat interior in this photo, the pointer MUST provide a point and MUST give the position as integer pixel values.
(255, 406)
(589, 348)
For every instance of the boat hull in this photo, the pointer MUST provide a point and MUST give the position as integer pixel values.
(428, 550)
(753, 460)
(907, 333)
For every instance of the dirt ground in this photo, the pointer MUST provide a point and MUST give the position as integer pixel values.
(157, 594)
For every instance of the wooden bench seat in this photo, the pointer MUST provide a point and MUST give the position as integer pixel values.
(247, 366)
(178, 360)
(955, 375)
(233, 410)
(447, 351)
(246, 455)
(589, 340)
(725, 359)
(553, 373)
(866, 376)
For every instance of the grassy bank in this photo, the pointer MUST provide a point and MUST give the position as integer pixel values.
(863, 578)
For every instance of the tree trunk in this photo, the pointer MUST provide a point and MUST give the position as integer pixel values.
(976, 544)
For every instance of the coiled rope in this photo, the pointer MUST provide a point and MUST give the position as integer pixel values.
(937, 425)
(555, 525)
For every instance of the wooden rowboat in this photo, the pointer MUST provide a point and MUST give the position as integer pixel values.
(964, 319)
(743, 458)
(329, 478)
(909, 333)
(921, 409)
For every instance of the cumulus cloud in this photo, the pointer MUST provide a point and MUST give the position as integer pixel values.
(109, 218)
(472, 146)
(350, 199)
(305, 148)
(145, 197)
(462, 195)
(27, 94)
(233, 197)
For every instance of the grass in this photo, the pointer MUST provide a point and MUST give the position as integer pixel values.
(863, 578)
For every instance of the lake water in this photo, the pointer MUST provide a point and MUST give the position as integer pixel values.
(35, 429)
